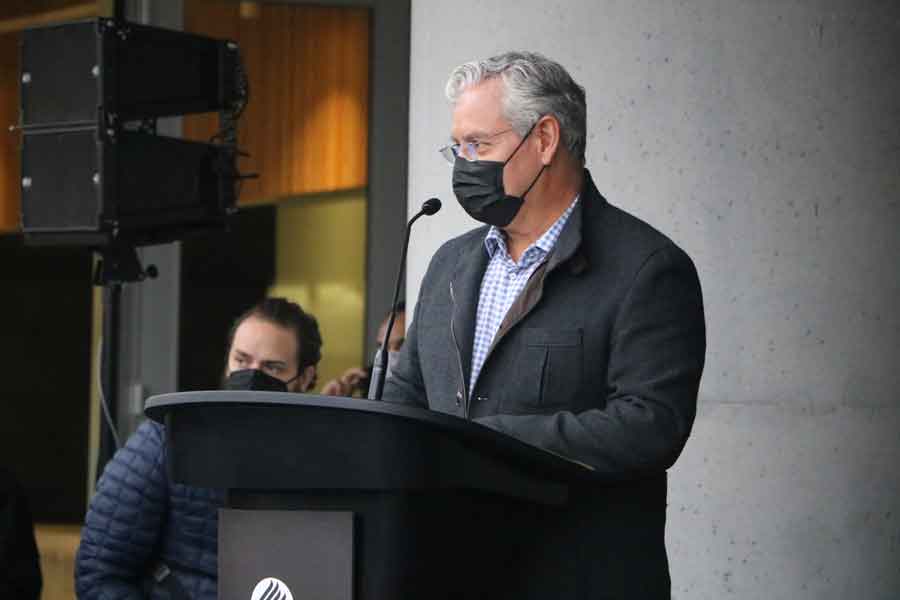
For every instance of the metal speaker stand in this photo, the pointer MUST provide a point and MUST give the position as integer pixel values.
(119, 264)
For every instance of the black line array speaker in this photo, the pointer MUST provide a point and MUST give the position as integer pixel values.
(93, 169)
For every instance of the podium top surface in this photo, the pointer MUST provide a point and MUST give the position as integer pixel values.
(484, 439)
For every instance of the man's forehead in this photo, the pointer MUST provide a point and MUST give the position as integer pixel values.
(478, 110)
(265, 340)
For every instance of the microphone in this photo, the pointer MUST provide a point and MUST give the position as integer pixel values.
(429, 207)
(379, 369)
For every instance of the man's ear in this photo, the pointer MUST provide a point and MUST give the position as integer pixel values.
(547, 133)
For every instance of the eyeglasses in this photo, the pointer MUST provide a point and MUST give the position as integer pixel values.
(468, 150)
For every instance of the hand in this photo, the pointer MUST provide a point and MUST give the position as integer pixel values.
(346, 384)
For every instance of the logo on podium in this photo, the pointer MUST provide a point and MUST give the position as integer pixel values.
(271, 588)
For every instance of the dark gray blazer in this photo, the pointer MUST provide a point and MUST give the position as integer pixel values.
(599, 359)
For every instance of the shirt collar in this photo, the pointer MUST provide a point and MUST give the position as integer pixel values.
(495, 240)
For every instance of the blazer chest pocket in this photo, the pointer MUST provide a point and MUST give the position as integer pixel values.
(550, 367)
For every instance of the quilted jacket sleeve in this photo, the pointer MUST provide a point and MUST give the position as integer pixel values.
(124, 520)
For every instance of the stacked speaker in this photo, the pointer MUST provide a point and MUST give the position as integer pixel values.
(94, 172)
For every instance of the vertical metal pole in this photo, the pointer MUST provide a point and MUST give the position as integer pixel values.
(109, 380)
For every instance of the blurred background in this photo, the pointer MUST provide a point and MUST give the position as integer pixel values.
(315, 128)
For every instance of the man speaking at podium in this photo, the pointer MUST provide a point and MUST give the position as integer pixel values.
(563, 321)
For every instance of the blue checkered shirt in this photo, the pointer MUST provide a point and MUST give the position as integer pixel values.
(503, 281)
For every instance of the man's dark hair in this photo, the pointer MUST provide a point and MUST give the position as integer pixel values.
(287, 314)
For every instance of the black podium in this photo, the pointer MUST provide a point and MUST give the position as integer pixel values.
(341, 498)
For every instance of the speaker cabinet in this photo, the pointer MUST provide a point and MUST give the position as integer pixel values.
(78, 188)
(93, 170)
(125, 71)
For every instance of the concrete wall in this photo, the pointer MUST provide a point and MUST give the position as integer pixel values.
(764, 137)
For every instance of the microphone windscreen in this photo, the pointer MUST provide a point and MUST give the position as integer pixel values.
(431, 206)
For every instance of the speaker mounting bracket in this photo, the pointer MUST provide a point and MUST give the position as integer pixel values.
(119, 263)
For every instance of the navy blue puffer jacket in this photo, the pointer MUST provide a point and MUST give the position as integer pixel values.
(138, 519)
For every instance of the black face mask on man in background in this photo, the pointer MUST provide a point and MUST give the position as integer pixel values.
(254, 379)
(478, 186)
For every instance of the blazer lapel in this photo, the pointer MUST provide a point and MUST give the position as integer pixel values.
(465, 287)
(567, 247)
(570, 238)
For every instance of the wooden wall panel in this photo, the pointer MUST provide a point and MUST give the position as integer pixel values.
(10, 203)
(39, 14)
(16, 10)
(306, 125)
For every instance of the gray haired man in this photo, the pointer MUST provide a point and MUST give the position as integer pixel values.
(563, 321)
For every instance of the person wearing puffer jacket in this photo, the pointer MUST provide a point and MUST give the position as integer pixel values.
(148, 537)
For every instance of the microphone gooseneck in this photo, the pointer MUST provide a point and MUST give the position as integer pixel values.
(379, 369)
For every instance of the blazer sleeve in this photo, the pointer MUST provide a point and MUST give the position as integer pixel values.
(658, 345)
(406, 385)
(124, 520)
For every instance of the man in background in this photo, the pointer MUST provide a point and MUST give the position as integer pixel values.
(355, 380)
(145, 536)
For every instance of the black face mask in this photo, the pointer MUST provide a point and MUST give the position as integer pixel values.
(478, 186)
(254, 379)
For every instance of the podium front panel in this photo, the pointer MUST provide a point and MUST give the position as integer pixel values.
(285, 553)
